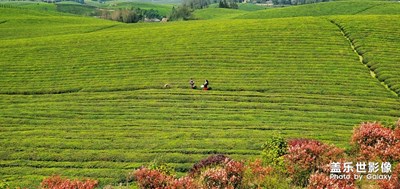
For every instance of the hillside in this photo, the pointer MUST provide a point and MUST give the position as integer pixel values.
(213, 12)
(84, 97)
(27, 23)
(163, 9)
(378, 44)
(327, 8)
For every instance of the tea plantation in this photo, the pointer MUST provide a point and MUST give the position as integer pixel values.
(84, 97)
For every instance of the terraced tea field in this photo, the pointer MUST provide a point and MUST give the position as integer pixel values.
(328, 8)
(213, 12)
(378, 44)
(27, 23)
(89, 101)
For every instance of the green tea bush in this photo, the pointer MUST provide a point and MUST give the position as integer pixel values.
(273, 151)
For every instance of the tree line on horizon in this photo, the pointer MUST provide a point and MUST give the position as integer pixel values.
(130, 15)
(296, 2)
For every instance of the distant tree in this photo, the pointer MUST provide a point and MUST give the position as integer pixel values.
(196, 4)
(116, 15)
(130, 15)
(296, 2)
(152, 14)
(181, 13)
(232, 4)
(221, 4)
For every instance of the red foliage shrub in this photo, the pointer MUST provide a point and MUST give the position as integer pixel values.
(214, 172)
(308, 156)
(373, 141)
(235, 170)
(259, 170)
(56, 182)
(228, 175)
(394, 182)
(147, 178)
(215, 178)
(183, 183)
(208, 162)
(323, 181)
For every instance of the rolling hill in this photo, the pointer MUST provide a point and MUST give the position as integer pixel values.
(84, 97)
(327, 9)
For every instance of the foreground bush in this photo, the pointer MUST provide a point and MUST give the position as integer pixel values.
(148, 178)
(56, 182)
(307, 156)
(374, 142)
(393, 183)
(217, 171)
(213, 160)
(229, 174)
(307, 163)
(274, 150)
(322, 181)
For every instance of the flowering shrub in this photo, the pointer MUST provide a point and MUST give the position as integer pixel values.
(56, 182)
(308, 156)
(373, 141)
(394, 182)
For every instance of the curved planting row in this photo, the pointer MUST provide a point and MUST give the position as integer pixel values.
(378, 43)
(327, 9)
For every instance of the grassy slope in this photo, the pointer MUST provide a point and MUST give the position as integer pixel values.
(387, 8)
(306, 83)
(327, 8)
